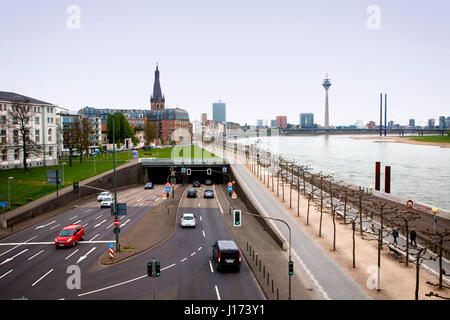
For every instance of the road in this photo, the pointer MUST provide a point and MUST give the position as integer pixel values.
(30, 267)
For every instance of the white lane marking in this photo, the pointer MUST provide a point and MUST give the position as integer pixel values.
(210, 266)
(157, 199)
(98, 217)
(88, 210)
(203, 231)
(125, 222)
(6, 273)
(11, 258)
(46, 225)
(41, 243)
(201, 218)
(73, 217)
(199, 249)
(183, 259)
(41, 278)
(77, 222)
(16, 245)
(85, 256)
(121, 283)
(55, 226)
(110, 225)
(218, 202)
(71, 254)
(192, 254)
(94, 237)
(84, 225)
(35, 255)
(100, 223)
(217, 292)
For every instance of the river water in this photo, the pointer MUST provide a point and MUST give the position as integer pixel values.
(420, 173)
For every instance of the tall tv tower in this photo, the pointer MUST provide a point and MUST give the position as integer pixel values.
(326, 84)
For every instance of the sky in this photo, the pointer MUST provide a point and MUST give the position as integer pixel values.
(262, 58)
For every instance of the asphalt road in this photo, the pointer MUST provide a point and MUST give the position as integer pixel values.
(30, 266)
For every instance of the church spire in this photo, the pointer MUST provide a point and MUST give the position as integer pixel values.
(157, 100)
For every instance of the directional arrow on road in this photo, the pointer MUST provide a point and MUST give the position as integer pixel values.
(85, 256)
(123, 224)
(100, 223)
(9, 259)
(46, 225)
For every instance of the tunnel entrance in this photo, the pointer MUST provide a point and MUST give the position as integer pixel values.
(160, 174)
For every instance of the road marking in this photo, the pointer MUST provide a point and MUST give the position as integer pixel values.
(71, 254)
(100, 223)
(110, 225)
(36, 255)
(98, 217)
(94, 237)
(192, 254)
(125, 222)
(199, 205)
(39, 227)
(16, 245)
(210, 265)
(182, 260)
(218, 202)
(157, 199)
(55, 226)
(6, 273)
(41, 243)
(199, 249)
(73, 217)
(9, 259)
(84, 225)
(85, 256)
(203, 231)
(77, 222)
(88, 210)
(42, 277)
(201, 219)
(217, 292)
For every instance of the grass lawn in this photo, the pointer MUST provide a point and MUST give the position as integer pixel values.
(440, 139)
(33, 185)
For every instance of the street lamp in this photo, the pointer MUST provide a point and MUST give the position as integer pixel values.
(371, 187)
(9, 192)
(434, 210)
(63, 172)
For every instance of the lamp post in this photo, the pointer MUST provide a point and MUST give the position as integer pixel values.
(9, 192)
(434, 210)
(63, 173)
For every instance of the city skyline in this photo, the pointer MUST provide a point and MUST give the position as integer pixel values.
(271, 61)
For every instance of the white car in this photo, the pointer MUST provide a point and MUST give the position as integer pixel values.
(188, 220)
(104, 195)
(107, 202)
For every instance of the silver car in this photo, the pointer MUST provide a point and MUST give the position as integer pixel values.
(188, 220)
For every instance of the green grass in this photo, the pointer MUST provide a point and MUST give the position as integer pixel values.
(26, 187)
(440, 139)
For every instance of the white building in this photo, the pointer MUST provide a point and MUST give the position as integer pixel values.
(40, 123)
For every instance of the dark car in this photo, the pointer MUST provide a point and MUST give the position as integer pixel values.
(208, 194)
(191, 193)
(208, 182)
(196, 184)
(149, 185)
(226, 255)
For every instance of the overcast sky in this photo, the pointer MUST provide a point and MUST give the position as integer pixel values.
(263, 58)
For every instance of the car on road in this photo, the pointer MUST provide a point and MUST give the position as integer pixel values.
(188, 220)
(226, 255)
(149, 185)
(107, 202)
(208, 182)
(104, 195)
(208, 194)
(69, 236)
(196, 184)
(191, 193)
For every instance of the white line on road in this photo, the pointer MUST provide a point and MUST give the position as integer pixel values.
(210, 265)
(98, 217)
(88, 210)
(73, 217)
(17, 245)
(39, 227)
(94, 237)
(9, 259)
(85, 256)
(36, 255)
(217, 292)
(48, 242)
(110, 225)
(42, 277)
(84, 225)
(71, 254)
(100, 223)
(125, 222)
(77, 222)
(203, 231)
(199, 249)
(6, 273)
(55, 226)
(192, 254)
(182, 260)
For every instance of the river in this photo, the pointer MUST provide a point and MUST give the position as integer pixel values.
(418, 172)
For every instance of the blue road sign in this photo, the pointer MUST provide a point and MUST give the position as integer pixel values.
(3, 204)
(230, 189)
(224, 169)
(111, 245)
(167, 189)
(183, 170)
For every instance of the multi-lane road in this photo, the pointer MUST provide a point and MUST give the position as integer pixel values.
(30, 266)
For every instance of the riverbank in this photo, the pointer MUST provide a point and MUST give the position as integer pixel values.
(441, 142)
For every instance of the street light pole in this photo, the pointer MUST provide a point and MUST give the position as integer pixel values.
(63, 172)
(9, 192)
(434, 210)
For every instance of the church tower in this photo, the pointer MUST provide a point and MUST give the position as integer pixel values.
(157, 100)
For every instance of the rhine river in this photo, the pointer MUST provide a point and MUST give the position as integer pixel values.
(420, 173)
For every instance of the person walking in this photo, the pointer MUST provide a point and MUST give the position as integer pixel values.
(413, 235)
(395, 235)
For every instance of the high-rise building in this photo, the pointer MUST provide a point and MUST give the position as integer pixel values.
(431, 123)
(412, 123)
(306, 120)
(281, 122)
(442, 122)
(273, 123)
(204, 117)
(326, 84)
(259, 123)
(219, 112)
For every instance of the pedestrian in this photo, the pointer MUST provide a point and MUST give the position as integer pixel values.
(395, 235)
(413, 235)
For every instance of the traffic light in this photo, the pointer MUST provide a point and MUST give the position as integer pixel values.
(157, 268)
(149, 269)
(76, 188)
(237, 218)
(291, 268)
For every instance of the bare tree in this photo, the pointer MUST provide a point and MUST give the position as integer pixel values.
(438, 239)
(406, 217)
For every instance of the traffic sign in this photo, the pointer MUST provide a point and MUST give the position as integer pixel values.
(233, 182)
(224, 169)
(116, 222)
(111, 245)
(233, 195)
(116, 230)
(167, 184)
(121, 209)
(230, 189)
(168, 189)
(183, 170)
(3, 204)
(230, 184)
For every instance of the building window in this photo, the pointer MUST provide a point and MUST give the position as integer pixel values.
(16, 136)
(37, 137)
(3, 136)
(16, 154)
(50, 133)
(36, 120)
(4, 154)
(50, 151)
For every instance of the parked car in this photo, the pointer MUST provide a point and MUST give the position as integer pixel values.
(196, 184)
(188, 220)
(208, 182)
(107, 202)
(226, 255)
(192, 193)
(69, 236)
(104, 195)
(149, 185)
(208, 194)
